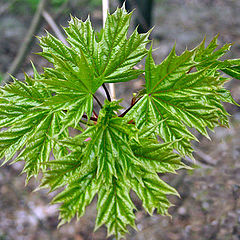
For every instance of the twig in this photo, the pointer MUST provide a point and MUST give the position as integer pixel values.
(205, 158)
(190, 69)
(128, 109)
(95, 114)
(54, 27)
(99, 103)
(107, 93)
(203, 161)
(91, 118)
(105, 7)
(27, 42)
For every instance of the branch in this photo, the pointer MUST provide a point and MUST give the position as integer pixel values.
(95, 114)
(99, 103)
(105, 7)
(190, 69)
(107, 93)
(91, 118)
(127, 110)
(205, 158)
(54, 27)
(27, 42)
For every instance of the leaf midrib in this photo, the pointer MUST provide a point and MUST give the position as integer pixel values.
(111, 48)
(152, 91)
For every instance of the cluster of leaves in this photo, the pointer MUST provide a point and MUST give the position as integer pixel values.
(115, 151)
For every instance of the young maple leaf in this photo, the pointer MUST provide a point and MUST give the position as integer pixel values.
(181, 98)
(116, 159)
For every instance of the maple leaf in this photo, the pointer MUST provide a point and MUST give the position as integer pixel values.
(181, 98)
(112, 55)
(90, 61)
(111, 164)
(28, 125)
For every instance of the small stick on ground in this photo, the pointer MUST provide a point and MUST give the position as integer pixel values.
(54, 27)
(27, 42)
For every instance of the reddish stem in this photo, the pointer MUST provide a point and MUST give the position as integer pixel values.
(91, 118)
(95, 114)
(99, 103)
(127, 110)
(190, 69)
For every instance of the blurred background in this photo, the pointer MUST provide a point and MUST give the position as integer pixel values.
(209, 208)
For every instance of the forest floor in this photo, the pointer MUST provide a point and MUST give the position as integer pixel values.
(209, 208)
